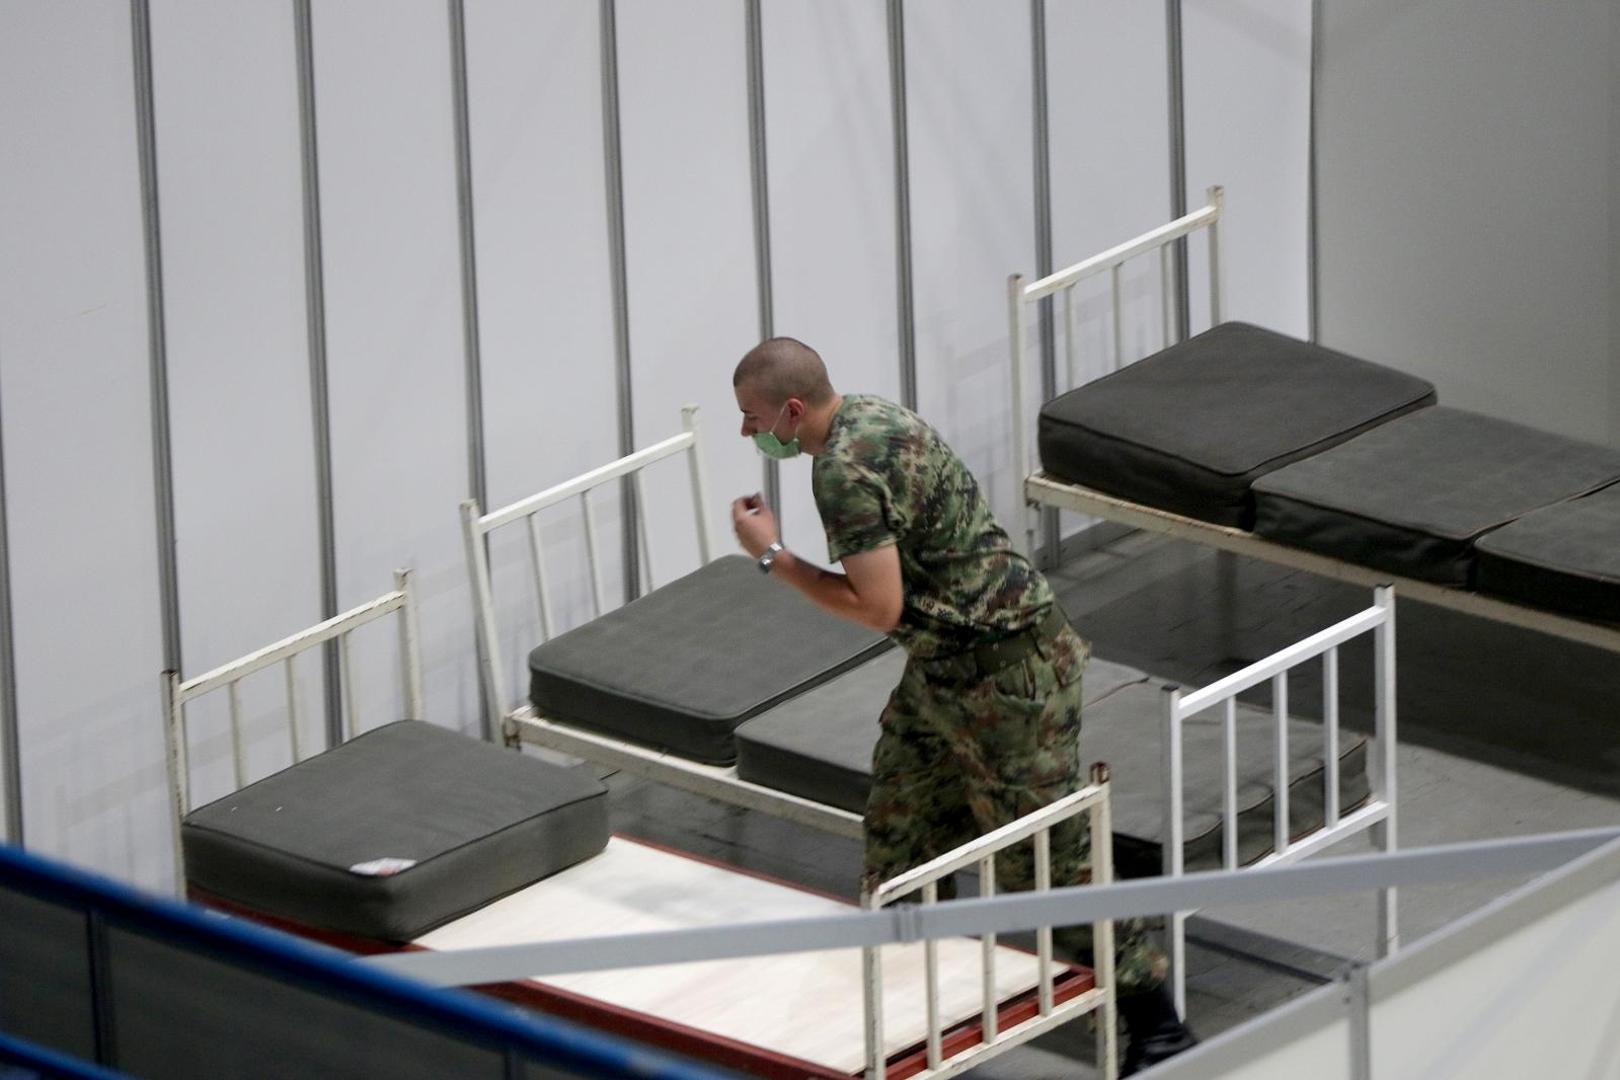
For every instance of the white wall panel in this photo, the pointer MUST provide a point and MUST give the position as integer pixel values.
(833, 262)
(545, 299)
(225, 83)
(683, 92)
(1468, 173)
(395, 347)
(1538, 1001)
(1107, 87)
(1247, 80)
(77, 427)
(971, 136)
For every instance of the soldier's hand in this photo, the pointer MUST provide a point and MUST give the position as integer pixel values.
(754, 524)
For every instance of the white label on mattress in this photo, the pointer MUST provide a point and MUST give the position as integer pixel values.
(382, 867)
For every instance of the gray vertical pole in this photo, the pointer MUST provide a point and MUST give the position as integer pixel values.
(319, 391)
(1051, 535)
(902, 204)
(1178, 161)
(10, 741)
(630, 511)
(762, 211)
(476, 481)
(157, 342)
(1313, 280)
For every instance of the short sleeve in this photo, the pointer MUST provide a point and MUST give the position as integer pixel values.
(856, 509)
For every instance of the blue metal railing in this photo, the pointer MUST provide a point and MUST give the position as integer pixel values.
(516, 1036)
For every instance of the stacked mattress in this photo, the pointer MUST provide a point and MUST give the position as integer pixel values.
(394, 832)
(1305, 446)
(1191, 428)
(681, 667)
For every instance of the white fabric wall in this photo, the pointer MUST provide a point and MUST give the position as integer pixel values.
(1108, 88)
(544, 301)
(77, 427)
(230, 190)
(1467, 215)
(833, 262)
(968, 69)
(1247, 85)
(73, 337)
(689, 238)
(395, 353)
(1539, 1001)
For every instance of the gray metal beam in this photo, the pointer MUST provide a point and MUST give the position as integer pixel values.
(1178, 161)
(1313, 281)
(476, 481)
(157, 340)
(617, 263)
(759, 162)
(1040, 108)
(902, 205)
(1083, 904)
(10, 740)
(319, 387)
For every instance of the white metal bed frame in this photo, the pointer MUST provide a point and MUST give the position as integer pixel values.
(1043, 489)
(525, 724)
(177, 693)
(1091, 800)
(1376, 816)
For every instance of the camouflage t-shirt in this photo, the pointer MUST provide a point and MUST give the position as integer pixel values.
(887, 477)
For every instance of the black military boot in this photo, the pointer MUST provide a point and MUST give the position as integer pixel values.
(1153, 1030)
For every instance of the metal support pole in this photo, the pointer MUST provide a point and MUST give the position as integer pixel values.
(1178, 161)
(319, 390)
(1051, 529)
(760, 177)
(157, 340)
(10, 740)
(902, 205)
(617, 260)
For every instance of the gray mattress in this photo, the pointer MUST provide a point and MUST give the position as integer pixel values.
(1191, 428)
(819, 746)
(1412, 496)
(681, 667)
(1564, 558)
(478, 822)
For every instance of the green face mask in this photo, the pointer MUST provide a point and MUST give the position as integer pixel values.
(771, 446)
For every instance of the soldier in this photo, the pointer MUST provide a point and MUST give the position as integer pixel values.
(985, 724)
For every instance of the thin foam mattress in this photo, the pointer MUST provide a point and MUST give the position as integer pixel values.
(397, 831)
(681, 667)
(1191, 428)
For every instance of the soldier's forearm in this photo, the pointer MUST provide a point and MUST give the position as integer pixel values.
(830, 591)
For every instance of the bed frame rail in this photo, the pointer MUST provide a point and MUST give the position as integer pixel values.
(1376, 816)
(1111, 262)
(476, 527)
(177, 693)
(1035, 827)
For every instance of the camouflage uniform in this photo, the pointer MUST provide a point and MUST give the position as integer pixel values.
(962, 750)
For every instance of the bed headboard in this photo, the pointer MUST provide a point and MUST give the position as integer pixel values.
(177, 693)
(476, 526)
(1020, 295)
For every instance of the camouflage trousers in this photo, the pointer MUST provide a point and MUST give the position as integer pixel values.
(956, 759)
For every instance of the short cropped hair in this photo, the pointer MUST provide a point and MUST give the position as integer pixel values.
(783, 368)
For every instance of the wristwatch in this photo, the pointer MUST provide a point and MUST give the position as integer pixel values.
(769, 557)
